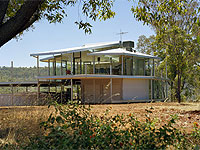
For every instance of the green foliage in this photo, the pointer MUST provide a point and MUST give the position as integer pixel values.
(20, 73)
(75, 127)
(176, 42)
(144, 44)
(56, 10)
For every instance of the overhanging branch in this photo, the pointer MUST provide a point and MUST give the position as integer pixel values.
(22, 19)
(3, 9)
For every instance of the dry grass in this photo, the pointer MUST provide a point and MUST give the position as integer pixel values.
(19, 123)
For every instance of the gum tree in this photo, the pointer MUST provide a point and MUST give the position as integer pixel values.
(176, 23)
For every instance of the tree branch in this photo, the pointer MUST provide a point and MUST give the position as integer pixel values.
(3, 9)
(15, 25)
(34, 18)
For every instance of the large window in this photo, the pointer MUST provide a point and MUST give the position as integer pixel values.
(138, 66)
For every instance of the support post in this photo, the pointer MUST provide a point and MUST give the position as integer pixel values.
(61, 67)
(94, 90)
(85, 68)
(12, 90)
(49, 75)
(144, 67)
(153, 67)
(38, 66)
(38, 73)
(122, 65)
(74, 71)
(71, 90)
(38, 91)
(61, 93)
(72, 64)
(111, 88)
(111, 66)
(80, 63)
(93, 64)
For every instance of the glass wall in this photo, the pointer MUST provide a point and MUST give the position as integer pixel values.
(82, 63)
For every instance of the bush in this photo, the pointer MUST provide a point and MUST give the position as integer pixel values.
(75, 127)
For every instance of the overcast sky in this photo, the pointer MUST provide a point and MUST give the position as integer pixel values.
(47, 36)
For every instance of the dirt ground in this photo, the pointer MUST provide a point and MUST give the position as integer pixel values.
(22, 122)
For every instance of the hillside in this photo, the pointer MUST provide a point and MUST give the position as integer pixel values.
(20, 73)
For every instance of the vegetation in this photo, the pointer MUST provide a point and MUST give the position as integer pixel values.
(177, 28)
(8, 74)
(74, 126)
(19, 15)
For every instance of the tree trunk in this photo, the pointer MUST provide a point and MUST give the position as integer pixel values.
(14, 25)
(178, 93)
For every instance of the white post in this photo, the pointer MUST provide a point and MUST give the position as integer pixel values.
(85, 68)
(61, 93)
(111, 66)
(122, 65)
(111, 94)
(94, 90)
(12, 84)
(151, 83)
(72, 64)
(61, 68)
(144, 67)
(93, 64)
(38, 66)
(71, 90)
(38, 73)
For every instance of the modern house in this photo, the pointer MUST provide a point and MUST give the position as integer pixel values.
(111, 72)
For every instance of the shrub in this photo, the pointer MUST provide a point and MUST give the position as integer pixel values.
(75, 127)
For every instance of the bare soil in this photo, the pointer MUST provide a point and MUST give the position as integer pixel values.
(19, 123)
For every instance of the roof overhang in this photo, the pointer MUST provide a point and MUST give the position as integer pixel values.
(124, 52)
(78, 49)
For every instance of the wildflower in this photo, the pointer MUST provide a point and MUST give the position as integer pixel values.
(129, 115)
(196, 124)
(113, 124)
(121, 144)
(92, 136)
(80, 133)
(131, 143)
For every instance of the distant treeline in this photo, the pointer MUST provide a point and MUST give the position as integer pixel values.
(7, 74)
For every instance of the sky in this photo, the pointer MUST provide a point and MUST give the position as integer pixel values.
(46, 37)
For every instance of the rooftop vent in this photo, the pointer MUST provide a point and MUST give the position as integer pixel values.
(128, 44)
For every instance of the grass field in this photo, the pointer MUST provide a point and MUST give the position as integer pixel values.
(19, 123)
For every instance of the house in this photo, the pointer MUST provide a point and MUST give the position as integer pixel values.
(111, 72)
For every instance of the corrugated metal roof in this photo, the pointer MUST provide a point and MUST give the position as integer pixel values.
(121, 51)
(78, 49)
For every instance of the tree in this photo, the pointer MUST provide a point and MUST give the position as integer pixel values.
(176, 25)
(18, 15)
(144, 44)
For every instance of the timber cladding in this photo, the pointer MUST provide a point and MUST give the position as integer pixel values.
(99, 90)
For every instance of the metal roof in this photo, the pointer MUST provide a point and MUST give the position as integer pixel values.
(121, 51)
(78, 49)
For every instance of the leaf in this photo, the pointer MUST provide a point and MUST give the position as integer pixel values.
(59, 119)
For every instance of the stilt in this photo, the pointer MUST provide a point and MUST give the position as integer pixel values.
(71, 90)
(61, 93)
(12, 103)
(111, 94)
(122, 65)
(38, 91)
(94, 97)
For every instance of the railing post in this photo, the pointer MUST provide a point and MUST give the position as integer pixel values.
(111, 66)
(122, 65)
